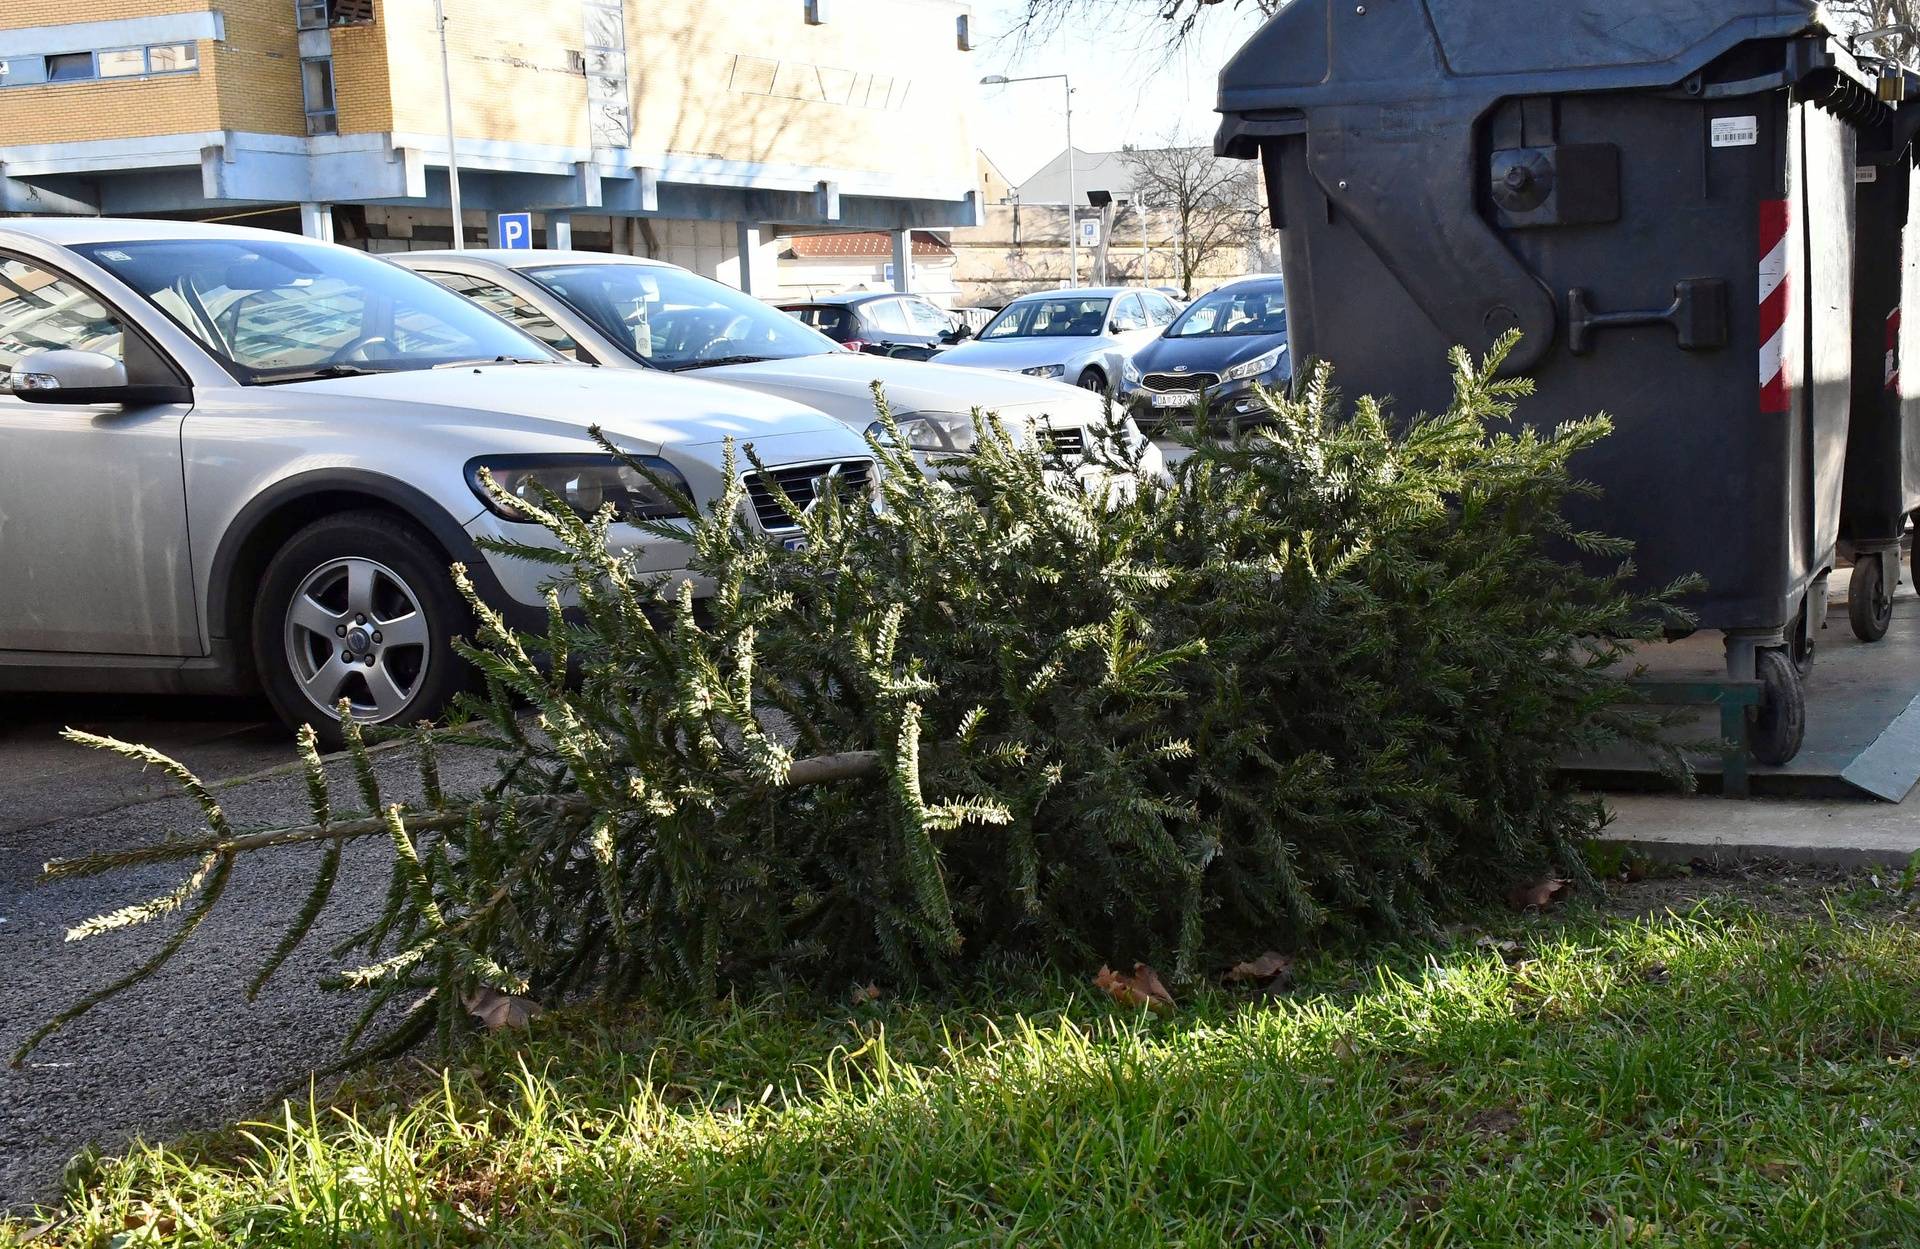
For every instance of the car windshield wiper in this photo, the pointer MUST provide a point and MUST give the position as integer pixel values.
(463, 364)
(719, 360)
(315, 374)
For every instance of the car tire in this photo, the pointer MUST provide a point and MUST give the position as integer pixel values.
(1094, 380)
(359, 605)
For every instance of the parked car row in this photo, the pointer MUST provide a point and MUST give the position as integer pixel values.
(233, 459)
(1162, 361)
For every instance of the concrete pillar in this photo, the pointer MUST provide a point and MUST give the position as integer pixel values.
(747, 235)
(316, 221)
(903, 260)
(560, 231)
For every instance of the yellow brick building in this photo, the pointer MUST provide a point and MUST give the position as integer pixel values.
(690, 129)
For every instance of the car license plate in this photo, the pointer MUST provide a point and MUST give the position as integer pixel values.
(1176, 399)
(795, 544)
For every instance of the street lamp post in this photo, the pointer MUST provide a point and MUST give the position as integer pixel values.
(453, 162)
(1073, 182)
(1146, 252)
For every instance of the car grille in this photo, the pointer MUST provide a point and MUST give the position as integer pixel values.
(1068, 444)
(1180, 381)
(801, 484)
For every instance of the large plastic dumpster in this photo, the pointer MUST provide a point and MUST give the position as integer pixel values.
(1882, 483)
(1658, 194)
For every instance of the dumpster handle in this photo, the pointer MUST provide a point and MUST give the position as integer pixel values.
(1698, 315)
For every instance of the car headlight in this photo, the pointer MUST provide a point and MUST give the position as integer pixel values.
(1129, 372)
(951, 432)
(1256, 366)
(585, 482)
(1046, 370)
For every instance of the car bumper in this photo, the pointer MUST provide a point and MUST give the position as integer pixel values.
(1236, 400)
(516, 588)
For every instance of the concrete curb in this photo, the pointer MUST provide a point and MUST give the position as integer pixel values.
(1718, 830)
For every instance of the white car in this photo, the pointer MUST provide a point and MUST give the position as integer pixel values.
(633, 313)
(231, 458)
(1084, 337)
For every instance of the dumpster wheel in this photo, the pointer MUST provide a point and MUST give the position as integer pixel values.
(1915, 556)
(1869, 606)
(1780, 721)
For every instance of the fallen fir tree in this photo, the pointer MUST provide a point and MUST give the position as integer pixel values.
(1316, 683)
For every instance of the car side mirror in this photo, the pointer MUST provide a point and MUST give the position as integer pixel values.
(64, 375)
(958, 334)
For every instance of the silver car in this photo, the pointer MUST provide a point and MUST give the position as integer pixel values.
(233, 458)
(1083, 336)
(634, 313)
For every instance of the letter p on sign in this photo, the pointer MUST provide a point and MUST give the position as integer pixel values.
(514, 230)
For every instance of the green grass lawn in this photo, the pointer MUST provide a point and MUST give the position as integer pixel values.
(1733, 1071)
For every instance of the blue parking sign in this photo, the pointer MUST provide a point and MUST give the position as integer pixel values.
(516, 231)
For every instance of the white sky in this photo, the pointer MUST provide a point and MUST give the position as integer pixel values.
(1126, 88)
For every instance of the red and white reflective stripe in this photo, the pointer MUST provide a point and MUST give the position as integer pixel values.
(1773, 305)
(1893, 348)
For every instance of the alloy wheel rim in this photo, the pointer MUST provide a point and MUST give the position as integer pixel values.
(354, 629)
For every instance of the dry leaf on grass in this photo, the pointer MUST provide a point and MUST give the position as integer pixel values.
(1141, 988)
(1271, 966)
(496, 1010)
(1536, 895)
(144, 1222)
(863, 993)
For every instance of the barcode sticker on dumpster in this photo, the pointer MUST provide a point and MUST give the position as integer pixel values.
(1736, 131)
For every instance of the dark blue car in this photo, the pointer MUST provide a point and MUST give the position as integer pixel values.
(1225, 343)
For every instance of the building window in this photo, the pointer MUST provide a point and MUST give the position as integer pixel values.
(159, 58)
(70, 67)
(316, 85)
(319, 14)
(172, 58)
(121, 63)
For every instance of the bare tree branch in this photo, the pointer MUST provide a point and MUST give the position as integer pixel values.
(1213, 203)
(1855, 17)
(1040, 20)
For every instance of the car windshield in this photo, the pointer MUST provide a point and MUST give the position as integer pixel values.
(1061, 316)
(287, 311)
(825, 318)
(1255, 309)
(673, 319)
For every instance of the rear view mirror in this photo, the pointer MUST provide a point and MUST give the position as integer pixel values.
(67, 376)
(261, 273)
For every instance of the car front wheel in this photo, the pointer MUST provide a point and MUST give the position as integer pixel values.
(358, 606)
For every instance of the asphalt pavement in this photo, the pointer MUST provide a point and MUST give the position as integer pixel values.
(44, 780)
(184, 1050)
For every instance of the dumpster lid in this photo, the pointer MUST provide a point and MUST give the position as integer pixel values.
(1321, 51)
